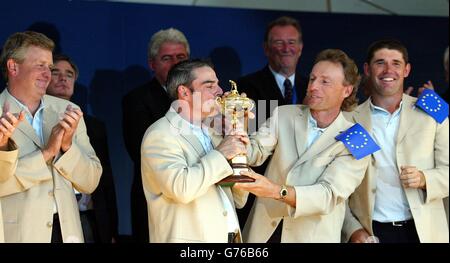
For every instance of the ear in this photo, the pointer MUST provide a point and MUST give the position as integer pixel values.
(183, 92)
(407, 70)
(348, 91)
(366, 69)
(151, 64)
(12, 67)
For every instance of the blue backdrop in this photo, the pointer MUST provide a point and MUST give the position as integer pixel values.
(109, 40)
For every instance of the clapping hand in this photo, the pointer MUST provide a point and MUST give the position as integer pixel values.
(69, 124)
(8, 123)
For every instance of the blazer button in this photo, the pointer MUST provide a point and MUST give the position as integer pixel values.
(374, 190)
(225, 213)
(274, 223)
(50, 193)
(49, 224)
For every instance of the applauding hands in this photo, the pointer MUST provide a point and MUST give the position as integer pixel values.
(62, 133)
(8, 123)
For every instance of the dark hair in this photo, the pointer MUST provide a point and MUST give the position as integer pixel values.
(351, 76)
(389, 44)
(18, 43)
(63, 57)
(182, 74)
(283, 21)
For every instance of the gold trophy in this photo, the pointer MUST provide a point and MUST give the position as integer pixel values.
(235, 108)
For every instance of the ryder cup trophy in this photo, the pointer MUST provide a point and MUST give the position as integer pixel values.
(235, 109)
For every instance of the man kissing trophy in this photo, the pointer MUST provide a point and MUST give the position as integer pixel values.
(235, 110)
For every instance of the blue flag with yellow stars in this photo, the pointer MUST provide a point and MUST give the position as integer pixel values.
(430, 102)
(358, 141)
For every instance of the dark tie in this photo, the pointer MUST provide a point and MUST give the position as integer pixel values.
(288, 91)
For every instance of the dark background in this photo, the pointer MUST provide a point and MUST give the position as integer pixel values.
(109, 41)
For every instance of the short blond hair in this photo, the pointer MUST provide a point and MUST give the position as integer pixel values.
(17, 44)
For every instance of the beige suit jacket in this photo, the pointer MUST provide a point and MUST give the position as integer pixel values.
(179, 178)
(29, 189)
(7, 167)
(323, 177)
(421, 142)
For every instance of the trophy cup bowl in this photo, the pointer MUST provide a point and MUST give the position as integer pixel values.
(235, 108)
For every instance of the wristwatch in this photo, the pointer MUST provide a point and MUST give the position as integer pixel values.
(283, 192)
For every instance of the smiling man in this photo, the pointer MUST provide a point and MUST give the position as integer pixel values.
(302, 196)
(182, 160)
(52, 150)
(400, 199)
(279, 82)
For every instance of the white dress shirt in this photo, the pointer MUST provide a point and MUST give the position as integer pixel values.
(314, 131)
(390, 199)
(280, 80)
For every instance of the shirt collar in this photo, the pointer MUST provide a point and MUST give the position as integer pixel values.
(378, 110)
(280, 78)
(313, 124)
(203, 129)
(25, 108)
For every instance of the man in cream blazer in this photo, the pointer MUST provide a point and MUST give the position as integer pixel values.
(182, 162)
(37, 193)
(400, 198)
(302, 196)
(8, 123)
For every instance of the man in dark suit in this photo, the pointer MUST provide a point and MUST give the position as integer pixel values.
(279, 82)
(98, 211)
(143, 106)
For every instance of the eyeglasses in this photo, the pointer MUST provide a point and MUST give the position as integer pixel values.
(289, 43)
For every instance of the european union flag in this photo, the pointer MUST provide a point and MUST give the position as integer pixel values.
(430, 102)
(358, 141)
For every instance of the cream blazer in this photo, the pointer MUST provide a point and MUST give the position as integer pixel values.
(7, 167)
(179, 179)
(29, 186)
(421, 142)
(323, 177)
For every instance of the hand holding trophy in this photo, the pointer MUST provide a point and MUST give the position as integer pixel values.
(235, 110)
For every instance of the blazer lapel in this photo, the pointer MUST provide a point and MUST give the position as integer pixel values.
(362, 115)
(215, 137)
(301, 131)
(405, 121)
(28, 130)
(324, 141)
(271, 86)
(25, 127)
(183, 128)
(50, 119)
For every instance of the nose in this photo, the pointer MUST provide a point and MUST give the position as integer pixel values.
(285, 47)
(387, 68)
(47, 72)
(312, 85)
(177, 60)
(62, 77)
(219, 91)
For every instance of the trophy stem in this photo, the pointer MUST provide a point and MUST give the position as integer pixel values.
(238, 163)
